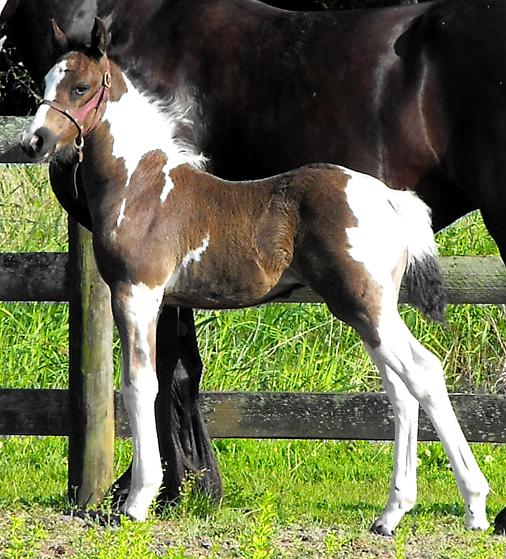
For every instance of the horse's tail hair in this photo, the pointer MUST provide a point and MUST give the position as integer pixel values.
(422, 278)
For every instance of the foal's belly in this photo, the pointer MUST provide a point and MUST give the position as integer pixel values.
(229, 291)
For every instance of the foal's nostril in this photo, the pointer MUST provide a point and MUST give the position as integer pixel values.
(39, 144)
(36, 143)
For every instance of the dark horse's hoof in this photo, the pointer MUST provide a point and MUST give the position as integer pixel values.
(99, 517)
(500, 523)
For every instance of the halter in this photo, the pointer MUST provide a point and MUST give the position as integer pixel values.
(78, 116)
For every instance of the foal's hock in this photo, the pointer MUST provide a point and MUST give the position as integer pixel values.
(167, 232)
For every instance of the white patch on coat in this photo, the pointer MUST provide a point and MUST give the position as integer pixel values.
(390, 224)
(51, 83)
(169, 185)
(139, 124)
(121, 215)
(194, 255)
(376, 241)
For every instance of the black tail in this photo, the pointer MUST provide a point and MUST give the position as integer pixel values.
(424, 285)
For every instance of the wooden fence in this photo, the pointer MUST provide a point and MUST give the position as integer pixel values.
(91, 414)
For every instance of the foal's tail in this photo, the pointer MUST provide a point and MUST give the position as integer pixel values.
(422, 278)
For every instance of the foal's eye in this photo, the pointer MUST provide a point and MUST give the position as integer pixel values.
(80, 89)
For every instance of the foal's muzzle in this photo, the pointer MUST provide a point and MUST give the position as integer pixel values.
(39, 145)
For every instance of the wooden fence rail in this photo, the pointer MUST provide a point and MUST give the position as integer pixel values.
(86, 411)
(274, 415)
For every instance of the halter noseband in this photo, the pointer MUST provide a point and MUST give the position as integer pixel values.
(79, 115)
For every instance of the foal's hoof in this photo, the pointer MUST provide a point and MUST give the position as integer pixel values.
(500, 523)
(99, 517)
(382, 530)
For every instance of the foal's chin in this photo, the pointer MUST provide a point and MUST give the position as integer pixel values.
(62, 156)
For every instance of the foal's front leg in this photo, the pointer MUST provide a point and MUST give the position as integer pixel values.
(136, 309)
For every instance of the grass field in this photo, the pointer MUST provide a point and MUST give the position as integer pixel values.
(282, 498)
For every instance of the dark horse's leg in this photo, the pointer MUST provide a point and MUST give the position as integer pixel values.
(182, 435)
(494, 220)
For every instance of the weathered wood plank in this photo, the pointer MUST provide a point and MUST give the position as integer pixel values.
(91, 435)
(38, 276)
(34, 412)
(267, 415)
(468, 279)
(340, 416)
(43, 277)
(11, 129)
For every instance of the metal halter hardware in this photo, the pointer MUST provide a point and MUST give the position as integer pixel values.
(78, 116)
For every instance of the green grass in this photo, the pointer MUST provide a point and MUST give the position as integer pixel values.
(282, 498)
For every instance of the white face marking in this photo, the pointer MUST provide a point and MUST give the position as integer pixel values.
(194, 255)
(2, 5)
(121, 215)
(139, 125)
(52, 81)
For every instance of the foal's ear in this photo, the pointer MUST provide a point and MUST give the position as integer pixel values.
(60, 40)
(100, 38)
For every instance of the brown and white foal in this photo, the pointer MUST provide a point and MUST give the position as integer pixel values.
(166, 232)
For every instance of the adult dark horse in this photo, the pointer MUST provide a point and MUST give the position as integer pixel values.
(413, 95)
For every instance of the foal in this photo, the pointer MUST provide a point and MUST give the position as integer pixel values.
(166, 232)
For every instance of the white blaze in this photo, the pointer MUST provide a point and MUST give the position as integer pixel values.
(52, 81)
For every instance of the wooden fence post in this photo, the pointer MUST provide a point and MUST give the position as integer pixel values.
(91, 390)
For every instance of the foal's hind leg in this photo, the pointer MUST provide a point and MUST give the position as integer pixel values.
(403, 485)
(422, 373)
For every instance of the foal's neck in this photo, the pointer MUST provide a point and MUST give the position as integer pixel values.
(137, 124)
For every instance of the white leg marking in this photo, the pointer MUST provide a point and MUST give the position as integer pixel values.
(136, 311)
(403, 486)
(422, 373)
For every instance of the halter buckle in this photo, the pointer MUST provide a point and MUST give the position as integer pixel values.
(79, 142)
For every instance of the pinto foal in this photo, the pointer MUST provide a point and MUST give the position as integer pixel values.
(166, 232)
